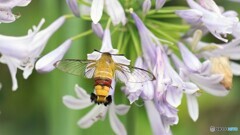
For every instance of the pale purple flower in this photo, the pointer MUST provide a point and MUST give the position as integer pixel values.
(167, 78)
(156, 120)
(98, 30)
(22, 52)
(159, 4)
(230, 50)
(98, 112)
(146, 6)
(73, 4)
(135, 90)
(113, 8)
(191, 69)
(46, 63)
(6, 6)
(169, 86)
(209, 16)
(200, 73)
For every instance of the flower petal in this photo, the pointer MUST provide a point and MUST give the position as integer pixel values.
(46, 63)
(189, 59)
(192, 107)
(81, 93)
(96, 10)
(12, 3)
(174, 96)
(122, 109)
(115, 11)
(97, 113)
(154, 118)
(73, 4)
(192, 16)
(6, 16)
(11, 63)
(115, 123)
(209, 84)
(98, 30)
(76, 104)
(146, 6)
(40, 40)
(190, 88)
(235, 68)
(148, 91)
(121, 60)
(159, 4)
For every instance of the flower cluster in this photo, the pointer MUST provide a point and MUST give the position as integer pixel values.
(180, 64)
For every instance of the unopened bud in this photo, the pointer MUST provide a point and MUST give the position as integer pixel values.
(221, 65)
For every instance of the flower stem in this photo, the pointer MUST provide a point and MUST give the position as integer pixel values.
(84, 3)
(82, 34)
(67, 16)
(196, 38)
(135, 41)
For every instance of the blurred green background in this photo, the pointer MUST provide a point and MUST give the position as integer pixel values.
(36, 108)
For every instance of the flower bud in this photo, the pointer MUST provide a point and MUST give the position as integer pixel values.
(221, 65)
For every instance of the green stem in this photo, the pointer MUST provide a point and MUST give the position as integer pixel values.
(82, 35)
(120, 40)
(135, 41)
(84, 3)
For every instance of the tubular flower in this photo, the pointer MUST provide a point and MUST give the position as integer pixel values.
(191, 69)
(6, 6)
(46, 63)
(73, 4)
(229, 50)
(28, 49)
(169, 86)
(98, 112)
(207, 15)
(113, 8)
(107, 47)
(135, 90)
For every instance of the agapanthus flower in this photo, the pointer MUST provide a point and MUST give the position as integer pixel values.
(113, 8)
(46, 63)
(22, 52)
(229, 50)
(169, 86)
(107, 47)
(73, 4)
(191, 69)
(135, 90)
(207, 15)
(98, 112)
(6, 6)
(147, 5)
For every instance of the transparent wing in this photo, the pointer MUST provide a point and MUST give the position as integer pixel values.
(77, 67)
(127, 73)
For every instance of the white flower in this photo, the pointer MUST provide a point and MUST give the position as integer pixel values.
(22, 52)
(107, 47)
(46, 63)
(208, 14)
(6, 6)
(112, 7)
(98, 112)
